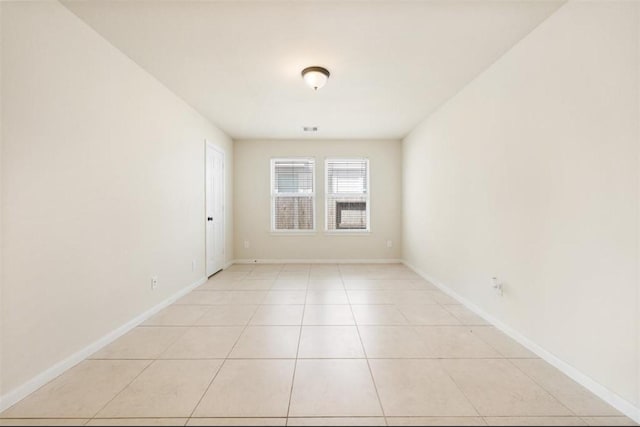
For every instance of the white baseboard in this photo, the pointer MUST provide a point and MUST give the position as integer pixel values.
(14, 396)
(613, 399)
(318, 261)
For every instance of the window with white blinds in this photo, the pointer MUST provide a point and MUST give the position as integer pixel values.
(347, 194)
(292, 194)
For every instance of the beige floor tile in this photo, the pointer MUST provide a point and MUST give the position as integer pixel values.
(328, 315)
(43, 422)
(333, 388)
(502, 343)
(247, 297)
(442, 298)
(79, 392)
(237, 422)
(326, 284)
(254, 285)
(301, 276)
(227, 315)
(418, 388)
(278, 315)
(397, 284)
(435, 421)
(224, 295)
(220, 285)
(372, 297)
(137, 422)
(609, 421)
(464, 315)
(321, 342)
(497, 388)
(427, 314)
(178, 315)
(392, 341)
(166, 389)
(337, 421)
(327, 297)
(267, 342)
(324, 276)
(377, 285)
(285, 297)
(378, 315)
(571, 394)
(143, 342)
(289, 285)
(255, 274)
(534, 421)
(454, 342)
(296, 267)
(423, 285)
(249, 388)
(363, 285)
(204, 342)
(268, 267)
(204, 298)
(414, 298)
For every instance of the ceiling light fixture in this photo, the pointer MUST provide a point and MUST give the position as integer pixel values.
(315, 76)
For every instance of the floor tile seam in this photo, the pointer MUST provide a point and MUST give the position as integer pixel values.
(295, 363)
(539, 384)
(364, 350)
(222, 364)
(151, 362)
(468, 399)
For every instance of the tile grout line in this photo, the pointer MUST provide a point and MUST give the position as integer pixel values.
(448, 374)
(222, 364)
(553, 396)
(151, 362)
(295, 364)
(364, 350)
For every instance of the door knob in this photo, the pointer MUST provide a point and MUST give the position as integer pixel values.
(209, 218)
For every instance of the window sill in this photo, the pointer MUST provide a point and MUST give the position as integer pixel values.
(348, 233)
(294, 233)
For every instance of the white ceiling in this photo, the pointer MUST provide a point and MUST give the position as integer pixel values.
(392, 63)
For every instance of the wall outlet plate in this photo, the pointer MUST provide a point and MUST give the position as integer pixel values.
(154, 282)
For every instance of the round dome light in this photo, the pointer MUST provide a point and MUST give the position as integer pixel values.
(315, 77)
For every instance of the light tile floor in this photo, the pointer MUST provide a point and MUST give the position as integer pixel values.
(314, 345)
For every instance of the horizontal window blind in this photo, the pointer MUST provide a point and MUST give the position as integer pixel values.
(292, 194)
(347, 194)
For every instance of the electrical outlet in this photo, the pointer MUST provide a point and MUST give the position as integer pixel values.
(247, 245)
(389, 244)
(193, 265)
(154, 283)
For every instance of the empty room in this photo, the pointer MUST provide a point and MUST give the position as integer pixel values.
(320, 212)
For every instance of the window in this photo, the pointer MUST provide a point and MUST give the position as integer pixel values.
(347, 195)
(292, 194)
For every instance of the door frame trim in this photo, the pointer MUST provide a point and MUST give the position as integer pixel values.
(208, 144)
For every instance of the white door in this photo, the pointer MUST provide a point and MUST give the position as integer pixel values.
(214, 209)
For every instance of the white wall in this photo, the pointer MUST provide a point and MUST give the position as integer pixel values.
(102, 187)
(530, 174)
(253, 201)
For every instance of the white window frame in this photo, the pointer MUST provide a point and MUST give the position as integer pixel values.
(274, 195)
(327, 194)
